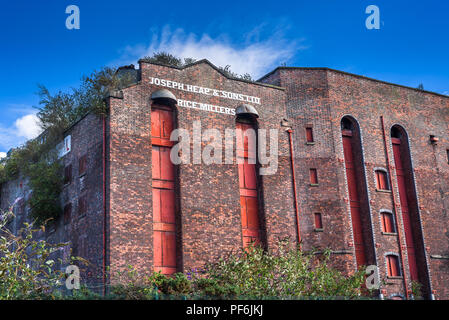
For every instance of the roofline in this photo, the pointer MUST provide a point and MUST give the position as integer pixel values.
(216, 69)
(352, 75)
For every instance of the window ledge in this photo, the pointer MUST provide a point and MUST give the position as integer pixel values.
(318, 230)
(314, 184)
(395, 278)
(383, 191)
(310, 143)
(389, 233)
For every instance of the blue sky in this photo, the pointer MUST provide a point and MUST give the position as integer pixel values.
(410, 48)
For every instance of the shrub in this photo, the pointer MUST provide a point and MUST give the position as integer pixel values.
(283, 273)
(27, 270)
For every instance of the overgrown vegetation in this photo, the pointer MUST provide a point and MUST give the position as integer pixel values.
(37, 159)
(168, 59)
(29, 271)
(286, 273)
(26, 265)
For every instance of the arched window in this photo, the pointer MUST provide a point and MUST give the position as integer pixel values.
(393, 268)
(388, 223)
(163, 186)
(249, 184)
(409, 205)
(382, 183)
(358, 199)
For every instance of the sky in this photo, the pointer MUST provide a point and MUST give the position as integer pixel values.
(411, 47)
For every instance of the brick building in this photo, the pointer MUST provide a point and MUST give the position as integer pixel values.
(368, 177)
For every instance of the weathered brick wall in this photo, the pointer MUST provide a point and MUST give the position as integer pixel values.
(82, 232)
(323, 97)
(208, 195)
(421, 114)
(209, 218)
(308, 106)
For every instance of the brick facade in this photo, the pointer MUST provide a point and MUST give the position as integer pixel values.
(207, 196)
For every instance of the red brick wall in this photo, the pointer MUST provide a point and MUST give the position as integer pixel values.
(209, 205)
(321, 97)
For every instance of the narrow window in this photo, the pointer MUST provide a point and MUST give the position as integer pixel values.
(165, 251)
(313, 177)
(318, 221)
(447, 153)
(68, 174)
(393, 266)
(67, 213)
(82, 205)
(382, 180)
(387, 222)
(248, 184)
(309, 135)
(82, 165)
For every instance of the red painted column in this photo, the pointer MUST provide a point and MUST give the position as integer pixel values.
(248, 186)
(354, 198)
(163, 187)
(400, 176)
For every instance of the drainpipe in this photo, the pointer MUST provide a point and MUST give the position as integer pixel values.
(104, 204)
(394, 205)
(290, 138)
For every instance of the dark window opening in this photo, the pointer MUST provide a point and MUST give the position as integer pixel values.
(82, 205)
(309, 135)
(68, 174)
(382, 180)
(396, 132)
(346, 124)
(318, 221)
(393, 266)
(67, 213)
(313, 177)
(82, 165)
(387, 222)
(447, 153)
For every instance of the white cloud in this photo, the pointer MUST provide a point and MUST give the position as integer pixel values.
(2, 155)
(24, 128)
(255, 56)
(28, 126)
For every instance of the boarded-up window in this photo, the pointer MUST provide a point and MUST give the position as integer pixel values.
(163, 187)
(313, 176)
(67, 213)
(68, 174)
(393, 266)
(382, 180)
(249, 201)
(82, 205)
(309, 135)
(387, 222)
(318, 221)
(82, 165)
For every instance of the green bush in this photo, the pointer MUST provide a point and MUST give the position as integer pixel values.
(283, 273)
(27, 270)
(178, 284)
